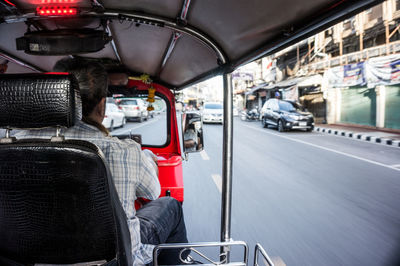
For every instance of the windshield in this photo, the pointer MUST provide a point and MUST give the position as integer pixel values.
(286, 106)
(150, 124)
(213, 106)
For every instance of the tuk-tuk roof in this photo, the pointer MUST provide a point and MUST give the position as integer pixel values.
(179, 42)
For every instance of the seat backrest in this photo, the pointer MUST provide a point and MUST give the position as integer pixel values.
(58, 203)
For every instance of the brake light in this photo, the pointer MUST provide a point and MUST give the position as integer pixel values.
(119, 107)
(136, 108)
(56, 11)
(105, 116)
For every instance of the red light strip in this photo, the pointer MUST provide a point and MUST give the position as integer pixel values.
(56, 11)
(56, 1)
(8, 2)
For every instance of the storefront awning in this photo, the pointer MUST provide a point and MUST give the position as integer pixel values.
(311, 81)
(256, 88)
(288, 83)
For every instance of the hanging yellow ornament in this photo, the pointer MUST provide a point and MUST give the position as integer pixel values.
(150, 98)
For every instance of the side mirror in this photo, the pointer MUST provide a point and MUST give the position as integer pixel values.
(192, 128)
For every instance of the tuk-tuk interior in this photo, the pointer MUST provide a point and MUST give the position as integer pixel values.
(176, 44)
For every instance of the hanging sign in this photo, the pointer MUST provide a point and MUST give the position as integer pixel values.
(353, 74)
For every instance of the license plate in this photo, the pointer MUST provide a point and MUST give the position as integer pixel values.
(302, 124)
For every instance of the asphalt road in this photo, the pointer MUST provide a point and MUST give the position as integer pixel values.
(308, 198)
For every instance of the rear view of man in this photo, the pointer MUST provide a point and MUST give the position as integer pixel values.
(135, 174)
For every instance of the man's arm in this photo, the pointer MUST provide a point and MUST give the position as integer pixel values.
(149, 185)
(153, 159)
(143, 172)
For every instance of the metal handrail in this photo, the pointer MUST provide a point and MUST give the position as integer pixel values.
(192, 247)
(259, 249)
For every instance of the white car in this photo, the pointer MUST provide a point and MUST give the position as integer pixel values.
(134, 109)
(213, 112)
(114, 117)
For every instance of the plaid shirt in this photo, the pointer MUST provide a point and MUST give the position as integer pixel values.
(133, 173)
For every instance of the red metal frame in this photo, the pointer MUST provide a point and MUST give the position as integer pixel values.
(170, 156)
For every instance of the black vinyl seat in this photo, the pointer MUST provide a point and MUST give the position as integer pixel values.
(58, 202)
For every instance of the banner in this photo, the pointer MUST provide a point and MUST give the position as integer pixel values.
(291, 94)
(353, 75)
(383, 70)
(373, 72)
(334, 76)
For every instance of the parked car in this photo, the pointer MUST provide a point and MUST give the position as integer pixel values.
(286, 115)
(134, 109)
(213, 112)
(114, 116)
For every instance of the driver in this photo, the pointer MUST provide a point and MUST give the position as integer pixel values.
(135, 174)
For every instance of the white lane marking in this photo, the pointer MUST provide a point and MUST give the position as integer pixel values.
(218, 181)
(324, 148)
(204, 155)
(396, 165)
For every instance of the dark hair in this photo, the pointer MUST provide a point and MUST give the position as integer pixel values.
(92, 78)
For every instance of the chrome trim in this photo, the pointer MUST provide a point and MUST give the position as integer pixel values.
(114, 47)
(227, 154)
(174, 39)
(19, 61)
(259, 249)
(301, 127)
(58, 132)
(185, 10)
(8, 132)
(192, 246)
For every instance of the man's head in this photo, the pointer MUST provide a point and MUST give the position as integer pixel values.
(93, 82)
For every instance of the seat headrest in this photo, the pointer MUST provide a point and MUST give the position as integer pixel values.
(29, 101)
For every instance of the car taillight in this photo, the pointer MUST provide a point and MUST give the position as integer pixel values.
(105, 116)
(119, 107)
(136, 108)
(56, 11)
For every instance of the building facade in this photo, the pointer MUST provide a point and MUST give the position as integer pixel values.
(346, 74)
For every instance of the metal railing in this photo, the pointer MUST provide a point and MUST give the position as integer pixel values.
(260, 250)
(193, 248)
(205, 260)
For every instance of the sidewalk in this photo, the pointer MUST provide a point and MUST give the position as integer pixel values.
(382, 136)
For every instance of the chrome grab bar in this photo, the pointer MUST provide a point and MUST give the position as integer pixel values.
(192, 247)
(259, 249)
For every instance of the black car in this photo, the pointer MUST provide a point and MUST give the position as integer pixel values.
(286, 115)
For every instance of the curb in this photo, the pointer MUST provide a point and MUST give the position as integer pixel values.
(359, 136)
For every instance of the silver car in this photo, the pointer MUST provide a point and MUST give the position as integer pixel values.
(213, 112)
(134, 109)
